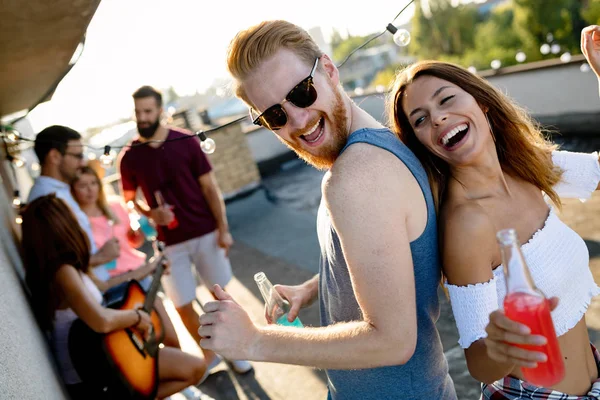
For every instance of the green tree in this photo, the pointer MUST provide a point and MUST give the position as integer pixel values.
(536, 19)
(445, 30)
(590, 12)
(171, 95)
(385, 77)
(336, 38)
(495, 39)
(346, 46)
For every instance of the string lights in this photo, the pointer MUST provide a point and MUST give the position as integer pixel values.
(106, 159)
(16, 199)
(401, 36)
(11, 136)
(109, 153)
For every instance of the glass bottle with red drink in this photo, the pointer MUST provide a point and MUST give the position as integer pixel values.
(160, 201)
(526, 304)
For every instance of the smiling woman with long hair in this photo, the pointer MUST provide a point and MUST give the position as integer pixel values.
(491, 168)
(56, 256)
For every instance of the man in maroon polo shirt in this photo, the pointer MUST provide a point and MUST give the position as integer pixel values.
(190, 217)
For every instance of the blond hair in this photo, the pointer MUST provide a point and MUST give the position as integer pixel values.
(252, 46)
(522, 149)
(102, 201)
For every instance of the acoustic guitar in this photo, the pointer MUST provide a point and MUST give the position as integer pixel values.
(122, 364)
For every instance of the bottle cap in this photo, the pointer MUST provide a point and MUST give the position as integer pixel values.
(260, 277)
(507, 236)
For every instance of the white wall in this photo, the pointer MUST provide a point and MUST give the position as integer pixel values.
(27, 370)
(562, 90)
(552, 91)
(264, 145)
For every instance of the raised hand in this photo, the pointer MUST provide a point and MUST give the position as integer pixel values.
(590, 46)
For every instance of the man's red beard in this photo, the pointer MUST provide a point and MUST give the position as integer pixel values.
(327, 153)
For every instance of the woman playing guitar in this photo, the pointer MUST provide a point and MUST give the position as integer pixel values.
(56, 255)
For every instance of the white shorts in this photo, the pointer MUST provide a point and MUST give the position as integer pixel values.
(210, 262)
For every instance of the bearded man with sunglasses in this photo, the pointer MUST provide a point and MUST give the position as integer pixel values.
(379, 272)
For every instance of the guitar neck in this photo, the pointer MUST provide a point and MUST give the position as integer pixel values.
(153, 290)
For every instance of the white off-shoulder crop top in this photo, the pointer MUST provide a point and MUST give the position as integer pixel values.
(557, 257)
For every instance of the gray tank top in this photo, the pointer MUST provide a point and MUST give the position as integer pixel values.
(425, 375)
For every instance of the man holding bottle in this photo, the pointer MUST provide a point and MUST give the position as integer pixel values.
(379, 270)
(184, 201)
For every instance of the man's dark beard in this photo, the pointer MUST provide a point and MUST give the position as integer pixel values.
(148, 131)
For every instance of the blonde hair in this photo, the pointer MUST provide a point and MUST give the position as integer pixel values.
(522, 149)
(102, 201)
(250, 47)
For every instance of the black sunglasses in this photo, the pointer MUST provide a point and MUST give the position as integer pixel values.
(79, 156)
(302, 95)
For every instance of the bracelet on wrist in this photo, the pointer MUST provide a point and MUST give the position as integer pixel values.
(139, 315)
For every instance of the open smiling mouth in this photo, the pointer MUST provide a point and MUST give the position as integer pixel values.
(454, 136)
(314, 133)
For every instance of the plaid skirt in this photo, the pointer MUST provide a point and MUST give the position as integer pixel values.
(511, 388)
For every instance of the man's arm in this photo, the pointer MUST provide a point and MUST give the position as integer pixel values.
(129, 185)
(214, 198)
(142, 207)
(369, 208)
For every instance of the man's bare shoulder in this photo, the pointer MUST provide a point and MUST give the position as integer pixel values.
(364, 169)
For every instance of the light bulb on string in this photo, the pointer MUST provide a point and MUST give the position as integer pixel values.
(521, 57)
(555, 48)
(107, 158)
(565, 57)
(206, 144)
(18, 220)
(18, 162)
(496, 64)
(16, 199)
(12, 137)
(545, 49)
(401, 36)
(472, 69)
(585, 67)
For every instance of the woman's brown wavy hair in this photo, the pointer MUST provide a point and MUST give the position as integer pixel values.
(522, 149)
(52, 238)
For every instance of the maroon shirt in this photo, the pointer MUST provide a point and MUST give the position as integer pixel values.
(174, 169)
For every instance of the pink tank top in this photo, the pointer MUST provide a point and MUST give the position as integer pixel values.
(130, 258)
